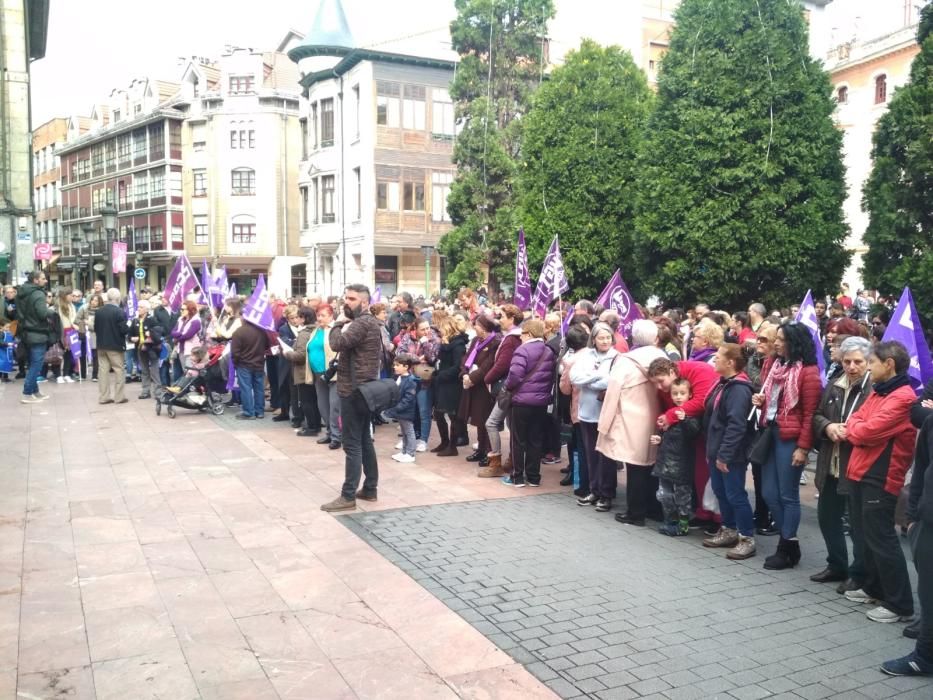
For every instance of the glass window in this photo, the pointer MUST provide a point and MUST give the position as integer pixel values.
(123, 148)
(157, 141)
(440, 191)
(881, 89)
(139, 143)
(241, 84)
(442, 114)
(359, 194)
(327, 122)
(388, 104)
(200, 182)
(413, 108)
(141, 189)
(313, 126)
(157, 183)
(304, 208)
(414, 196)
(243, 181)
(327, 199)
(356, 110)
(200, 230)
(244, 233)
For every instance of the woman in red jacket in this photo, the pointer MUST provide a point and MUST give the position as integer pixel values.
(789, 397)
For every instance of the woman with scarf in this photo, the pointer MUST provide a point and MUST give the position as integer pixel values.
(421, 341)
(788, 400)
(187, 336)
(448, 386)
(476, 401)
(707, 337)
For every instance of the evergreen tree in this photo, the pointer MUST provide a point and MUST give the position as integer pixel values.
(491, 90)
(898, 195)
(741, 186)
(579, 145)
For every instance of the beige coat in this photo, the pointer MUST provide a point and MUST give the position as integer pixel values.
(630, 409)
(298, 356)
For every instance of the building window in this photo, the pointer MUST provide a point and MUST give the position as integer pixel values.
(174, 185)
(243, 181)
(303, 125)
(123, 149)
(413, 197)
(198, 146)
(413, 108)
(328, 186)
(157, 185)
(442, 113)
(356, 111)
(116, 116)
(357, 179)
(304, 208)
(157, 141)
(440, 191)
(110, 155)
(881, 89)
(178, 238)
(141, 190)
(242, 139)
(387, 196)
(200, 183)
(299, 280)
(97, 158)
(244, 233)
(200, 230)
(137, 109)
(312, 126)
(842, 95)
(241, 84)
(174, 140)
(156, 239)
(315, 201)
(388, 106)
(327, 122)
(139, 144)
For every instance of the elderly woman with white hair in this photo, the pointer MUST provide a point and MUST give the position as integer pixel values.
(627, 422)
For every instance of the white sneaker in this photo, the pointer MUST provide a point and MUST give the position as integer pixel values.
(399, 445)
(421, 446)
(69, 380)
(397, 455)
(882, 614)
(32, 398)
(404, 458)
(859, 596)
(60, 380)
(803, 479)
(41, 397)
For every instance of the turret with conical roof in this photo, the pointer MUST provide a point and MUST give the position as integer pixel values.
(328, 40)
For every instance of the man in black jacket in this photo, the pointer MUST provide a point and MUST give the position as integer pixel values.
(110, 328)
(146, 333)
(402, 317)
(33, 330)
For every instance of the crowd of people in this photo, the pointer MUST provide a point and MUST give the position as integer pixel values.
(685, 403)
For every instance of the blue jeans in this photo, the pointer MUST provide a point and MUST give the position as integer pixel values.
(132, 363)
(251, 391)
(781, 486)
(425, 400)
(36, 360)
(734, 505)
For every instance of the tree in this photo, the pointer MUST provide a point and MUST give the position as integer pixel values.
(500, 47)
(579, 145)
(898, 195)
(741, 192)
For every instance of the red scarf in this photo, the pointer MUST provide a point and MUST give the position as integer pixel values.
(788, 378)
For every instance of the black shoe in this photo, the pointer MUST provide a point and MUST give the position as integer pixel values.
(282, 417)
(323, 440)
(827, 575)
(484, 462)
(244, 416)
(588, 499)
(767, 531)
(565, 470)
(566, 481)
(783, 557)
(462, 441)
(476, 456)
(912, 631)
(711, 529)
(20, 375)
(580, 493)
(626, 520)
(604, 504)
(846, 586)
(304, 432)
(335, 445)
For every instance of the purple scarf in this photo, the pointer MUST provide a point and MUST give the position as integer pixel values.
(702, 355)
(476, 349)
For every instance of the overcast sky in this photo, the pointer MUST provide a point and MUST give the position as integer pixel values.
(95, 46)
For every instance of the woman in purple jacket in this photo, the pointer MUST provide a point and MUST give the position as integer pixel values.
(187, 336)
(530, 384)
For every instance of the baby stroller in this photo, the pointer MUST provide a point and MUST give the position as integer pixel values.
(201, 389)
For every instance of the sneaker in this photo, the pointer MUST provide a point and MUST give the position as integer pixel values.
(587, 500)
(362, 495)
(40, 378)
(712, 529)
(60, 380)
(404, 458)
(94, 379)
(745, 549)
(803, 479)
(399, 445)
(533, 485)
(421, 446)
(550, 459)
(507, 480)
(31, 398)
(859, 596)
(41, 396)
(69, 380)
(911, 665)
(338, 504)
(848, 585)
(724, 538)
(882, 614)
(674, 530)
(603, 505)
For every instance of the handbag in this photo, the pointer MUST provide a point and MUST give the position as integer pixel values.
(504, 397)
(54, 355)
(761, 446)
(423, 371)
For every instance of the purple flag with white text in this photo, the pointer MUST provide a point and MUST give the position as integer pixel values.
(221, 288)
(257, 310)
(617, 297)
(522, 296)
(377, 296)
(89, 351)
(179, 284)
(552, 282)
(132, 302)
(905, 329)
(807, 316)
(74, 342)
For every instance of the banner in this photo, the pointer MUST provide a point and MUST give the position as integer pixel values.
(179, 283)
(256, 310)
(42, 251)
(74, 342)
(377, 296)
(807, 316)
(617, 297)
(132, 302)
(522, 295)
(221, 288)
(118, 256)
(88, 349)
(552, 282)
(905, 329)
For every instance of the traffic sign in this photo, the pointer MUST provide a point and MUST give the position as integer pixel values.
(139, 273)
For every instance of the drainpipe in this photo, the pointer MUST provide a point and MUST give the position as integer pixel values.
(343, 192)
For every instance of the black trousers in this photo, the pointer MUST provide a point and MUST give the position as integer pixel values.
(359, 453)
(886, 577)
(304, 406)
(640, 493)
(603, 472)
(762, 514)
(528, 426)
(552, 434)
(921, 544)
(830, 510)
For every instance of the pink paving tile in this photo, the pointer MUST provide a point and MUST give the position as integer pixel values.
(154, 676)
(221, 554)
(510, 682)
(52, 640)
(114, 558)
(352, 631)
(120, 591)
(223, 659)
(131, 631)
(313, 588)
(172, 559)
(393, 673)
(282, 558)
(247, 593)
(97, 530)
(73, 683)
(253, 689)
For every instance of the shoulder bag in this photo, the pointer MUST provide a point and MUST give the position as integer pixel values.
(504, 397)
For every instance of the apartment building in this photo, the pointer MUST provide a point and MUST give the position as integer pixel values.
(47, 141)
(377, 147)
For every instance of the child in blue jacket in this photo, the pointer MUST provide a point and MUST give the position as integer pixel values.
(405, 410)
(7, 353)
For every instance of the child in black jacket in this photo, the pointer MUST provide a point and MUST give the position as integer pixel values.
(674, 465)
(405, 410)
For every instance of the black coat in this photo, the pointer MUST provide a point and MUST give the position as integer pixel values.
(728, 432)
(110, 328)
(151, 328)
(676, 454)
(447, 383)
(829, 411)
(33, 315)
(920, 498)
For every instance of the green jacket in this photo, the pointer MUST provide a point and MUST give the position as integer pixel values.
(33, 315)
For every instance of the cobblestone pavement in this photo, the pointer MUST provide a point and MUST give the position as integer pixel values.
(598, 609)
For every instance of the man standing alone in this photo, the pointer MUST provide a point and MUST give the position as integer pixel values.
(110, 327)
(357, 337)
(248, 348)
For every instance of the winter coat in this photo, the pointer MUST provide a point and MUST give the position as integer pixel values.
(882, 438)
(728, 431)
(797, 425)
(703, 379)
(399, 321)
(406, 408)
(920, 499)
(447, 385)
(359, 344)
(110, 328)
(476, 402)
(248, 347)
(831, 410)
(500, 367)
(187, 336)
(531, 377)
(630, 409)
(33, 314)
(676, 453)
(151, 330)
(298, 357)
(567, 388)
(590, 374)
(81, 319)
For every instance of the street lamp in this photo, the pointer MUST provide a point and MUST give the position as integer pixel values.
(108, 214)
(90, 233)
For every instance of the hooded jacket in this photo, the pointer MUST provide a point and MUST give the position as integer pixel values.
(728, 432)
(33, 314)
(531, 375)
(676, 454)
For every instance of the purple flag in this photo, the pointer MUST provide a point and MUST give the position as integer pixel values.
(231, 373)
(74, 342)
(179, 283)
(377, 296)
(522, 295)
(807, 316)
(220, 287)
(617, 297)
(552, 282)
(256, 310)
(132, 302)
(905, 329)
(89, 351)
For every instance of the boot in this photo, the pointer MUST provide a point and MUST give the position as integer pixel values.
(793, 552)
(781, 558)
(726, 537)
(449, 451)
(494, 469)
(442, 433)
(507, 464)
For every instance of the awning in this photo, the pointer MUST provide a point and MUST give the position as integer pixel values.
(245, 260)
